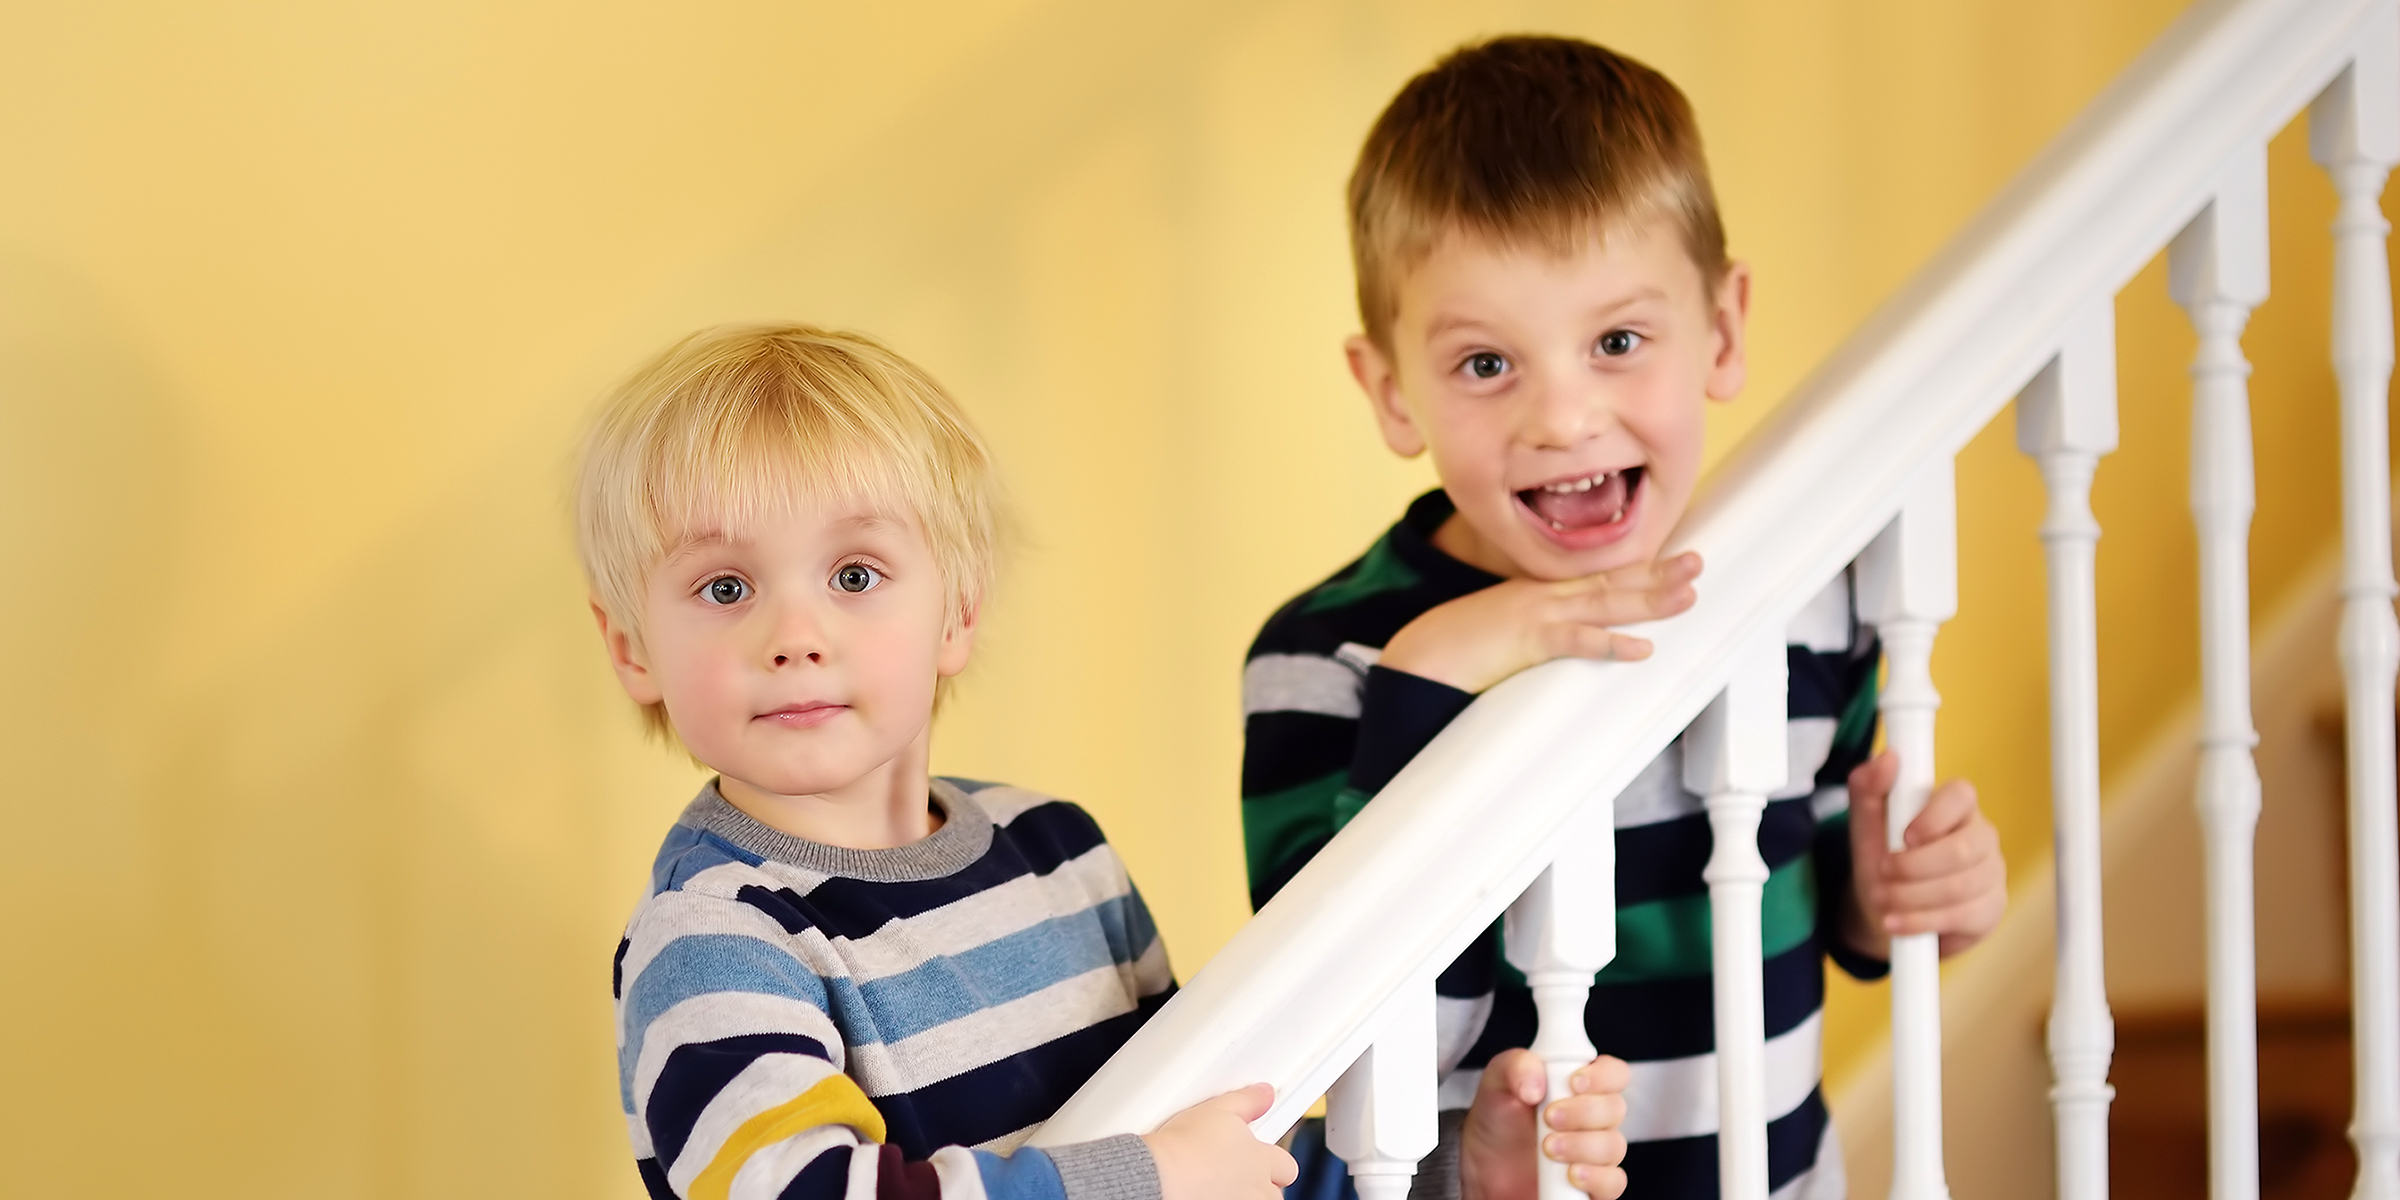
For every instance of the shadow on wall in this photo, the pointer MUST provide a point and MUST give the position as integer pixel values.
(325, 925)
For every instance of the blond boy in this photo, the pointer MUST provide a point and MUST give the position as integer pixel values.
(1548, 308)
(849, 978)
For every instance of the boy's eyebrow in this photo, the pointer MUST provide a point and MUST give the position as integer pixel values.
(1444, 323)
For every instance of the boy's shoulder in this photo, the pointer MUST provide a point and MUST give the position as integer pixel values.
(1359, 607)
(1043, 829)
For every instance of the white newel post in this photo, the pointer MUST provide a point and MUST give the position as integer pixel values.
(1560, 933)
(1908, 586)
(2217, 270)
(1379, 1116)
(2067, 419)
(1735, 755)
(2354, 131)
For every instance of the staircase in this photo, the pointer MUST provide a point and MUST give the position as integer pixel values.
(1329, 990)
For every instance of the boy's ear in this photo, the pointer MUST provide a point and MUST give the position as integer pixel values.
(1372, 368)
(958, 641)
(1729, 315)
(625, 657)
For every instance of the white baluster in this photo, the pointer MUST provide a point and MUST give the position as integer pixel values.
(1736, 754)
(1908, 586)
(2067, 419)
(1379, 1116)
(1560, 933)
(2217, 270)
(2354, 130)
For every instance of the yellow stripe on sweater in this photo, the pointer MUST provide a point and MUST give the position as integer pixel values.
(835, 1100)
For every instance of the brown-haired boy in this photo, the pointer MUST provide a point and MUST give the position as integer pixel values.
(1548, 306)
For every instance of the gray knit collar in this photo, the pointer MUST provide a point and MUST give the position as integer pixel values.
(965, 835)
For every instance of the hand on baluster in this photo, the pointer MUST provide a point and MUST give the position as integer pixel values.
(1207, 1152)
(1495, 1154)
(1484, 637)
(1950, 880)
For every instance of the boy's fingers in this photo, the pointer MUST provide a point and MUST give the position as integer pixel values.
(1680, 568)
(1249, 1103)
(1872, 779)
(1974, 918)
(1612, 605)
(1516, 1075)
(1607, 1073)
(1286, 1168)
(1605, 1183)
(1950, 808)
(1957, 852)
(1606, 1148)
(1927, 895)
(1572, 640)
(1603, 1110)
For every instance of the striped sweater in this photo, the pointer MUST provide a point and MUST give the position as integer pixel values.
(1326, 728)
(802, 1020)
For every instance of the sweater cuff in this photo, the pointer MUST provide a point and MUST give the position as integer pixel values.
(1399, 714)
(1115, 1168)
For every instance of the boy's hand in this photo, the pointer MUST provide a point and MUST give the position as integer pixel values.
(1478, 640)
(1207, 1151)
(1950, 880)
(1495, 1153)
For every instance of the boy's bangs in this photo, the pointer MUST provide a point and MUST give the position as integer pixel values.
(728, 487)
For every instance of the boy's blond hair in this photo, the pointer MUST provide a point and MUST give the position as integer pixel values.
(1526, 141)
(735, 422)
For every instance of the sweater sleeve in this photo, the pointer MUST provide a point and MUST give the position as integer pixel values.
(1853, 744)
(735, 1089)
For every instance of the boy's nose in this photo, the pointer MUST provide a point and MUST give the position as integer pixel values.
(1563, 414)
(797, 637)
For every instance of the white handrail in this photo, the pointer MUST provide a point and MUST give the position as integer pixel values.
(1294, 997)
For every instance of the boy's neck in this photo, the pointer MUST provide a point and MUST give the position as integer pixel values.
(887, 807)
(1457, 538)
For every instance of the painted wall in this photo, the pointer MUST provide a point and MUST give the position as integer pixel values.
(318, 811)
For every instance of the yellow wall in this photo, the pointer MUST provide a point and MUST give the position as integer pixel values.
(318, 812)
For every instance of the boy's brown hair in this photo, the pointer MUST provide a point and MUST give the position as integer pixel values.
(1540, 141)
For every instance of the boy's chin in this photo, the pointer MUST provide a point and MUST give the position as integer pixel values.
(1556, 559)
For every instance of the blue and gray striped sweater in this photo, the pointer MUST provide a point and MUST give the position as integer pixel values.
(802, 1020)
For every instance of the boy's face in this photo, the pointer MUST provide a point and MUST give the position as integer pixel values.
(1561, 398)
(801, 657)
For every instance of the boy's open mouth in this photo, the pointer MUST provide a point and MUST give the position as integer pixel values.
(1591, 502)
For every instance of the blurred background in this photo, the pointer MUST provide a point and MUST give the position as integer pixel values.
(319, 811)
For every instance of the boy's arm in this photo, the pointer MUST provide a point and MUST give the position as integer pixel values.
(1320, 741)
(1307, 772)
(1838, 916)
(734, 1080)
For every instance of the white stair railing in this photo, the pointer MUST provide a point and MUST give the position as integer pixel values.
(2067, 419)
(1328, 989)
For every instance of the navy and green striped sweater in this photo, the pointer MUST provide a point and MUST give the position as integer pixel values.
(1326, 728)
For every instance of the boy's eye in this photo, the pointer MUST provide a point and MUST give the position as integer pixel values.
(725, 589)
(1617, 343)
(857, 577)
(1486, 365)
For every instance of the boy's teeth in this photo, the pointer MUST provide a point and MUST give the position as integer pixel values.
(1584, 484)
(1592, 502)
